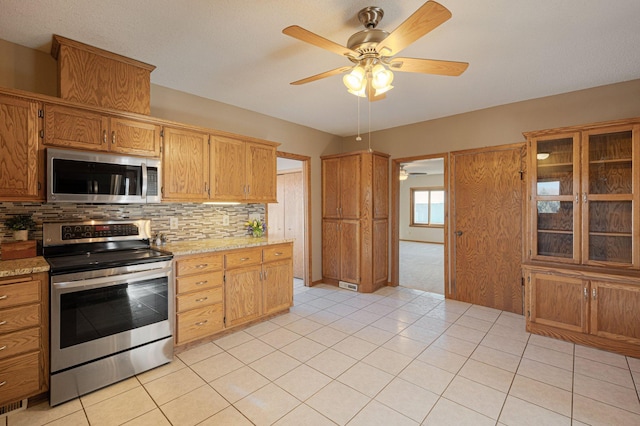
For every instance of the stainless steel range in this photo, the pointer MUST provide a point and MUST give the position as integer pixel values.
(111, 304)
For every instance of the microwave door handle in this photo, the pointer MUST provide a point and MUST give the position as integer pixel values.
(95, 186)
(144, 180)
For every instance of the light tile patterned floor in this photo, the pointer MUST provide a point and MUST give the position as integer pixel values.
(396, 357)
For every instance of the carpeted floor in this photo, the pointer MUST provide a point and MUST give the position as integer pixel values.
(422, 266)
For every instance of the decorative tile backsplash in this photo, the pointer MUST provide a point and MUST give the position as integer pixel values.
(195, 221)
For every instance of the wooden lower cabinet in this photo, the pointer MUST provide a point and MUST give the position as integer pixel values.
(589, 308)
(199, 296)
(24, 337)
(221, 290)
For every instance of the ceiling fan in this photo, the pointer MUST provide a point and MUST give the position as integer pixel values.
(372, 51)
(404, 173)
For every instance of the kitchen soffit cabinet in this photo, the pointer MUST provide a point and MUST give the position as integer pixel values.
(582, 269)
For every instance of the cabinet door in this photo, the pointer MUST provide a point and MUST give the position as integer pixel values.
(380, 189)
(19, 171)
(350, 186)
(331, 188)
(558, 301)
(555, 200)
(610, 196)
(75, 128)
(331, 249)
(243, 295)
(261, 173)
(615, 311)
(134, 137)
(228, 169)
(350, 251)
(185, 161)
(277, 285)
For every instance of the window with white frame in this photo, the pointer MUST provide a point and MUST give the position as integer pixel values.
(427, 207)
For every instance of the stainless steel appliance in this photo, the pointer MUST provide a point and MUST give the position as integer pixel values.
(94, 177)
(112, 304)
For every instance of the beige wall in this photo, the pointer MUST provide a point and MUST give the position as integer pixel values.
(32, 70)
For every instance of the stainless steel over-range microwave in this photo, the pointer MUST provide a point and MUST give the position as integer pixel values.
(93, 177)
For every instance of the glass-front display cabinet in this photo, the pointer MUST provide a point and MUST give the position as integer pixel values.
(584, 197)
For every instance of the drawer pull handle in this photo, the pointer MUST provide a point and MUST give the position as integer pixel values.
(202, 323)
(278, 253)
(3, 348)
(3, 322)
(202, 265)
(202, 282)
(3, 383)
(244, 259)
(3, 297)
(202, 299)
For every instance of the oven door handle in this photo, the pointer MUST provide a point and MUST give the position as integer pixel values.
(113, 280)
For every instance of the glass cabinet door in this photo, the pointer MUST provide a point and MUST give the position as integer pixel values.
(610, 196)
(554, 162)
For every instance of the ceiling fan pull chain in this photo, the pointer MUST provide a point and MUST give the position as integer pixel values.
(358, 138)
(369, 126)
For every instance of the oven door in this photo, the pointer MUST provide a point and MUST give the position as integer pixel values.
(101, 316)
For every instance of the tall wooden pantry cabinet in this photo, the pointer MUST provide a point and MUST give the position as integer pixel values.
(355, 219)
(582, 272)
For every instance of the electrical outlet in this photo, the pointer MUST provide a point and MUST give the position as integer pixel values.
(225, 220)
(173, 223)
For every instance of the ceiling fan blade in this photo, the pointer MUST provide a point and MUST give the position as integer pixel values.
(428, 66)
(312, 38)
(429, 16)
(321, 75)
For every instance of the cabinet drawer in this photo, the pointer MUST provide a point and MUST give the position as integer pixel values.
(199, 282)
(19, 342)
(199, 299)
(19, 293)
(18, 318)
(238, 259)
(199, 264)
(279, 252)
(198, 323)
(19, 377)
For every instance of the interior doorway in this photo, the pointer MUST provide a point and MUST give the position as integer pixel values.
(289, 217)
(419, 223)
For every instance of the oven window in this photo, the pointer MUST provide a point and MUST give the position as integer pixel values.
(92, 314)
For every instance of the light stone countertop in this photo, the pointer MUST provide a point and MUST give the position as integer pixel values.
(183, 248)
(31, 265)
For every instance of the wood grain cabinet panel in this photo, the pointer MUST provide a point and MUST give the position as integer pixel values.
(277, 285)
(79, 128)
(185, 161)
(243, 171)
(243, 295)
(24, 337)
(355, 193)
(21, 173)
(615, 311)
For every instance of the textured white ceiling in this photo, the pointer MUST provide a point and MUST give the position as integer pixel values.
(234, 51)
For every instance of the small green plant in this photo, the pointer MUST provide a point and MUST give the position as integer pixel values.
(21, 222)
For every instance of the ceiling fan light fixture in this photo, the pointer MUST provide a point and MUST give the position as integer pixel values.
(381, 77)
(356, 80)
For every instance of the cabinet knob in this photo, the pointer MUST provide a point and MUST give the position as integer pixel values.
(3, 322)
(594, 293)
(458, 233)
(4, 296)
(202, 265)
(113, 137)
(244, 259)
(202, 299)
(2, 348)
(202, 323)
(3, 383)
(202, 282)
(104, 136)
(278, 253)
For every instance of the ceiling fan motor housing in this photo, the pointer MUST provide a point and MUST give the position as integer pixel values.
(365, 41)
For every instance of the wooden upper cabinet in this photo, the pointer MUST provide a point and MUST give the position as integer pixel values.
(380, 187)
(185, 160)
(79, 128)
(242, 171)
(228, 169)
(331, 188)
(93, 76)
(134, 137)
(341, 187)
(21, 178)
(584, 196)
(261, 172)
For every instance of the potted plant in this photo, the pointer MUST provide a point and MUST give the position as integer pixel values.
(20, 225)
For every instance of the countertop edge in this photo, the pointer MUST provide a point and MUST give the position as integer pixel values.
(185, 248)
(15, 267)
